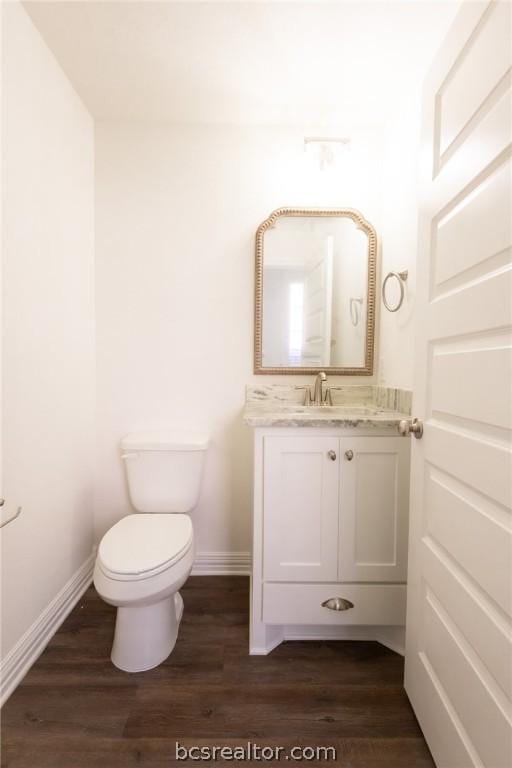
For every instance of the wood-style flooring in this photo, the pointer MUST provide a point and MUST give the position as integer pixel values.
(74, 709)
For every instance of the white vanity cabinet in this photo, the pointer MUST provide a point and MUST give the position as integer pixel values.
(300, 508)
(330, 520)
(373, 509)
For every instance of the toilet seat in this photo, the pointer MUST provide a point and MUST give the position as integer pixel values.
(142, 545)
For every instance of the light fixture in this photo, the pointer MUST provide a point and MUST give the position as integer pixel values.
(326, 149)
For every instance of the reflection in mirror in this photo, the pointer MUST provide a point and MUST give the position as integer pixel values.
(315, 297)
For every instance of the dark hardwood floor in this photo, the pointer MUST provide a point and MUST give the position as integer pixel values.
(76, 710)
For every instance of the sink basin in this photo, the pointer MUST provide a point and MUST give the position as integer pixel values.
(357, 410)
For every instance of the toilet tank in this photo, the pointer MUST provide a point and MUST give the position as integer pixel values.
(164, 469)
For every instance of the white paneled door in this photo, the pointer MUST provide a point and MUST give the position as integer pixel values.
(458, 650)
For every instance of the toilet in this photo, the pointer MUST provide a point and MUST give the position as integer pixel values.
(145, 558)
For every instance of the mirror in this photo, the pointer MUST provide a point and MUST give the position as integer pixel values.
(315, 292)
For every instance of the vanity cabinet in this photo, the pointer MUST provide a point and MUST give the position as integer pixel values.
(330, 520)
(335, 508)
(373, 509)
(300, 519)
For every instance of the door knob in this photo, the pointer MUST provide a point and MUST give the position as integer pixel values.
(337, 604)
(349, 455)
(332, 455)
(414, 427)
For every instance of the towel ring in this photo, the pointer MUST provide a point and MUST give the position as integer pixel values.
(401, 277)
(355, 310)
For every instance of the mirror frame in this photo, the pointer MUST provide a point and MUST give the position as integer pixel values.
(362, 224)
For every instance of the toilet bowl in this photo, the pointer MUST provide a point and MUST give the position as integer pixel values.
(145, 558)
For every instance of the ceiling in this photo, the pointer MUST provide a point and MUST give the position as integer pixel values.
(290, 63)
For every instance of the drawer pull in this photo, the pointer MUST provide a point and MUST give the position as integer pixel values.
(337, 604)
(332, 455)
(349, 455)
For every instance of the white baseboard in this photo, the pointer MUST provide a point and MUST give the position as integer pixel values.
(222, 564)
(30, 646)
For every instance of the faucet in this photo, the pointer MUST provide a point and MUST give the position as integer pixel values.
(317, 392)
(317, 397)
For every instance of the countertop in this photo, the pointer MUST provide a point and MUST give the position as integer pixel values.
(273, 414)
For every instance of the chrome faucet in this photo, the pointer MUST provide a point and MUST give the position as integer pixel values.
(317, 392)
(318, 397)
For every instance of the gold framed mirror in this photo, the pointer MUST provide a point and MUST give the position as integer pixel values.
(315, 292)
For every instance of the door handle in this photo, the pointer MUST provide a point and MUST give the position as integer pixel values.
(349, 455)
(331, 455)
(414, 427)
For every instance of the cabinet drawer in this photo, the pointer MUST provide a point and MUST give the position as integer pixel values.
(302, 603)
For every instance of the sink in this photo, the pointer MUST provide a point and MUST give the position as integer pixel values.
(357, 410)
(284, 406)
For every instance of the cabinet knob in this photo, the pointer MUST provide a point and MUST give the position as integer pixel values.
(349, 455)
(332, 455)
(337, 604)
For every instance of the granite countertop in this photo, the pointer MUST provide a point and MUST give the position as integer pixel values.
(352, 415)
(353, 406)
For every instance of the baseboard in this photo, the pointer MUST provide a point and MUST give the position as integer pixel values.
(30, 646)
(222, 564)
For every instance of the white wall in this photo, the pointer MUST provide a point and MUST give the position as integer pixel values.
(398, 237)
(48, 354)
(176, 214)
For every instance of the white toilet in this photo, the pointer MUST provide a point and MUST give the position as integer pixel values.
(144, 559)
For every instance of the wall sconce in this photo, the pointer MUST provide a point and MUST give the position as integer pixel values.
(327, 150)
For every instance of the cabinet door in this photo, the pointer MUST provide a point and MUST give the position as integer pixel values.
(300, 508)
(374, 496)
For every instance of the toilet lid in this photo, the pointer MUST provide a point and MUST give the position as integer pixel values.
(141, 543)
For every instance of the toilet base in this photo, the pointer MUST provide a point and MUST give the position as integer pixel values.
(146, 634)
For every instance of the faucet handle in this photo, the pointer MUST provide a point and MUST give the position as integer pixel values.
(328, 396)
(307, 396)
